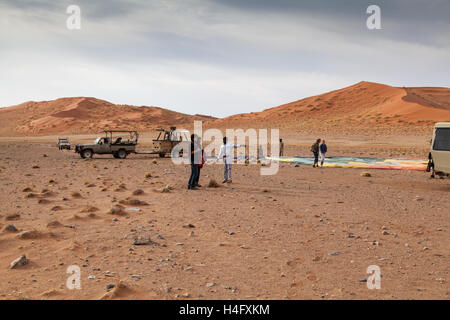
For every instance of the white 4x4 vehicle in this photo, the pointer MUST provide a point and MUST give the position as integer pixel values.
(439, 157)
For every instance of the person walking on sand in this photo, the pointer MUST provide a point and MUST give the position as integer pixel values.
(194, 161)
(281, 147)
(226, 153)
(315, 150)
(323, 152)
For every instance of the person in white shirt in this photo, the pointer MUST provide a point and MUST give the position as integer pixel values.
(226, 153)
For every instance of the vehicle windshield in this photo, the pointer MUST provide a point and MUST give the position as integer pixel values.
(97, 141)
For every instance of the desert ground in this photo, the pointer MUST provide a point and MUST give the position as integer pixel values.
(136, 232)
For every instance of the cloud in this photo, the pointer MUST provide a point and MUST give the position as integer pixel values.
(216, 57)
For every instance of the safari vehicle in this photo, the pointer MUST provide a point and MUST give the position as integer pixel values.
(113, 142)
(439, 156)
(168, 139)
(63, 143)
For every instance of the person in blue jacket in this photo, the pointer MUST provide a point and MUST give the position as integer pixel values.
(323, 152)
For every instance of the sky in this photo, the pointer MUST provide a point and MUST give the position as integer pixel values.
(217, 57)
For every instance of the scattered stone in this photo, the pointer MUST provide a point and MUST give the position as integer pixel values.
(133, 202)
(89, 209)
(190, 225)
(76, 195)
(167, 189)
(385, 233)
(27, 189)
(144, 241)
(110, 286)
(30, 195)
(117, 210)
(12, 216)
(210, 284)
(35, 166)
(10, 228)
(365, 174)
(27, 235)
(148, 175)
(19, 262)
(54, 224)
(154, 161)
(91, 277)
(138, 192)
(334, 253)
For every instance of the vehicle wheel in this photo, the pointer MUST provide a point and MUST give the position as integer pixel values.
(162, 155)
(115, 155)
(87, 154)
(122, 154)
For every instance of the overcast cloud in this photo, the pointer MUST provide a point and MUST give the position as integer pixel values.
(217, 57)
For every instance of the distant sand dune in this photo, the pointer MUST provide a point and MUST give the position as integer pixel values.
(380, 107)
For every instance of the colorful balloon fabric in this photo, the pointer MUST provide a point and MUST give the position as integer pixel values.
(360, 162)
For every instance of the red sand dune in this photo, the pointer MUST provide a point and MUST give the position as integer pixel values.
(364, 105)
(85, 115)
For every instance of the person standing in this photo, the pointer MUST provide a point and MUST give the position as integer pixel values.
(194, 161)
(315, 151)
(281, 147)
(323, 152)
(226, 153)
(200, 166)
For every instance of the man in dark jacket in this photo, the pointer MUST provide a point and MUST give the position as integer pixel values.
(315, 151)
(195, 160)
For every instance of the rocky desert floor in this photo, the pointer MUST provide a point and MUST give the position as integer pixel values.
(132, 227)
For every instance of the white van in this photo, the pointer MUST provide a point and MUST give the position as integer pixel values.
(439, 157)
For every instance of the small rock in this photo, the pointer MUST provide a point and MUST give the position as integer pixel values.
(10, 228)
(28, 234)
(334, 253)
(110, 286)
(21, 261)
